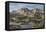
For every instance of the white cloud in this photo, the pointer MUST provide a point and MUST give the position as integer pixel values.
(15, 6)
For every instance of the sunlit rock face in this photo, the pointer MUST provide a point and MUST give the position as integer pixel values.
(24, 12)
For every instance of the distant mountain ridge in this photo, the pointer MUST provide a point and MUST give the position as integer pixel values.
(26, 11)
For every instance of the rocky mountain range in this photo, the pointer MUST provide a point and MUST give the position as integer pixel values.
(27, 12)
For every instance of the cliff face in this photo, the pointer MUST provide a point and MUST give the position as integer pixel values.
(27, 12)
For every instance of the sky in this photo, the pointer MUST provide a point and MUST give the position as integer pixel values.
(15, 6)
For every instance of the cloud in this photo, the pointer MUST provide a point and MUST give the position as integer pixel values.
(15, 6)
